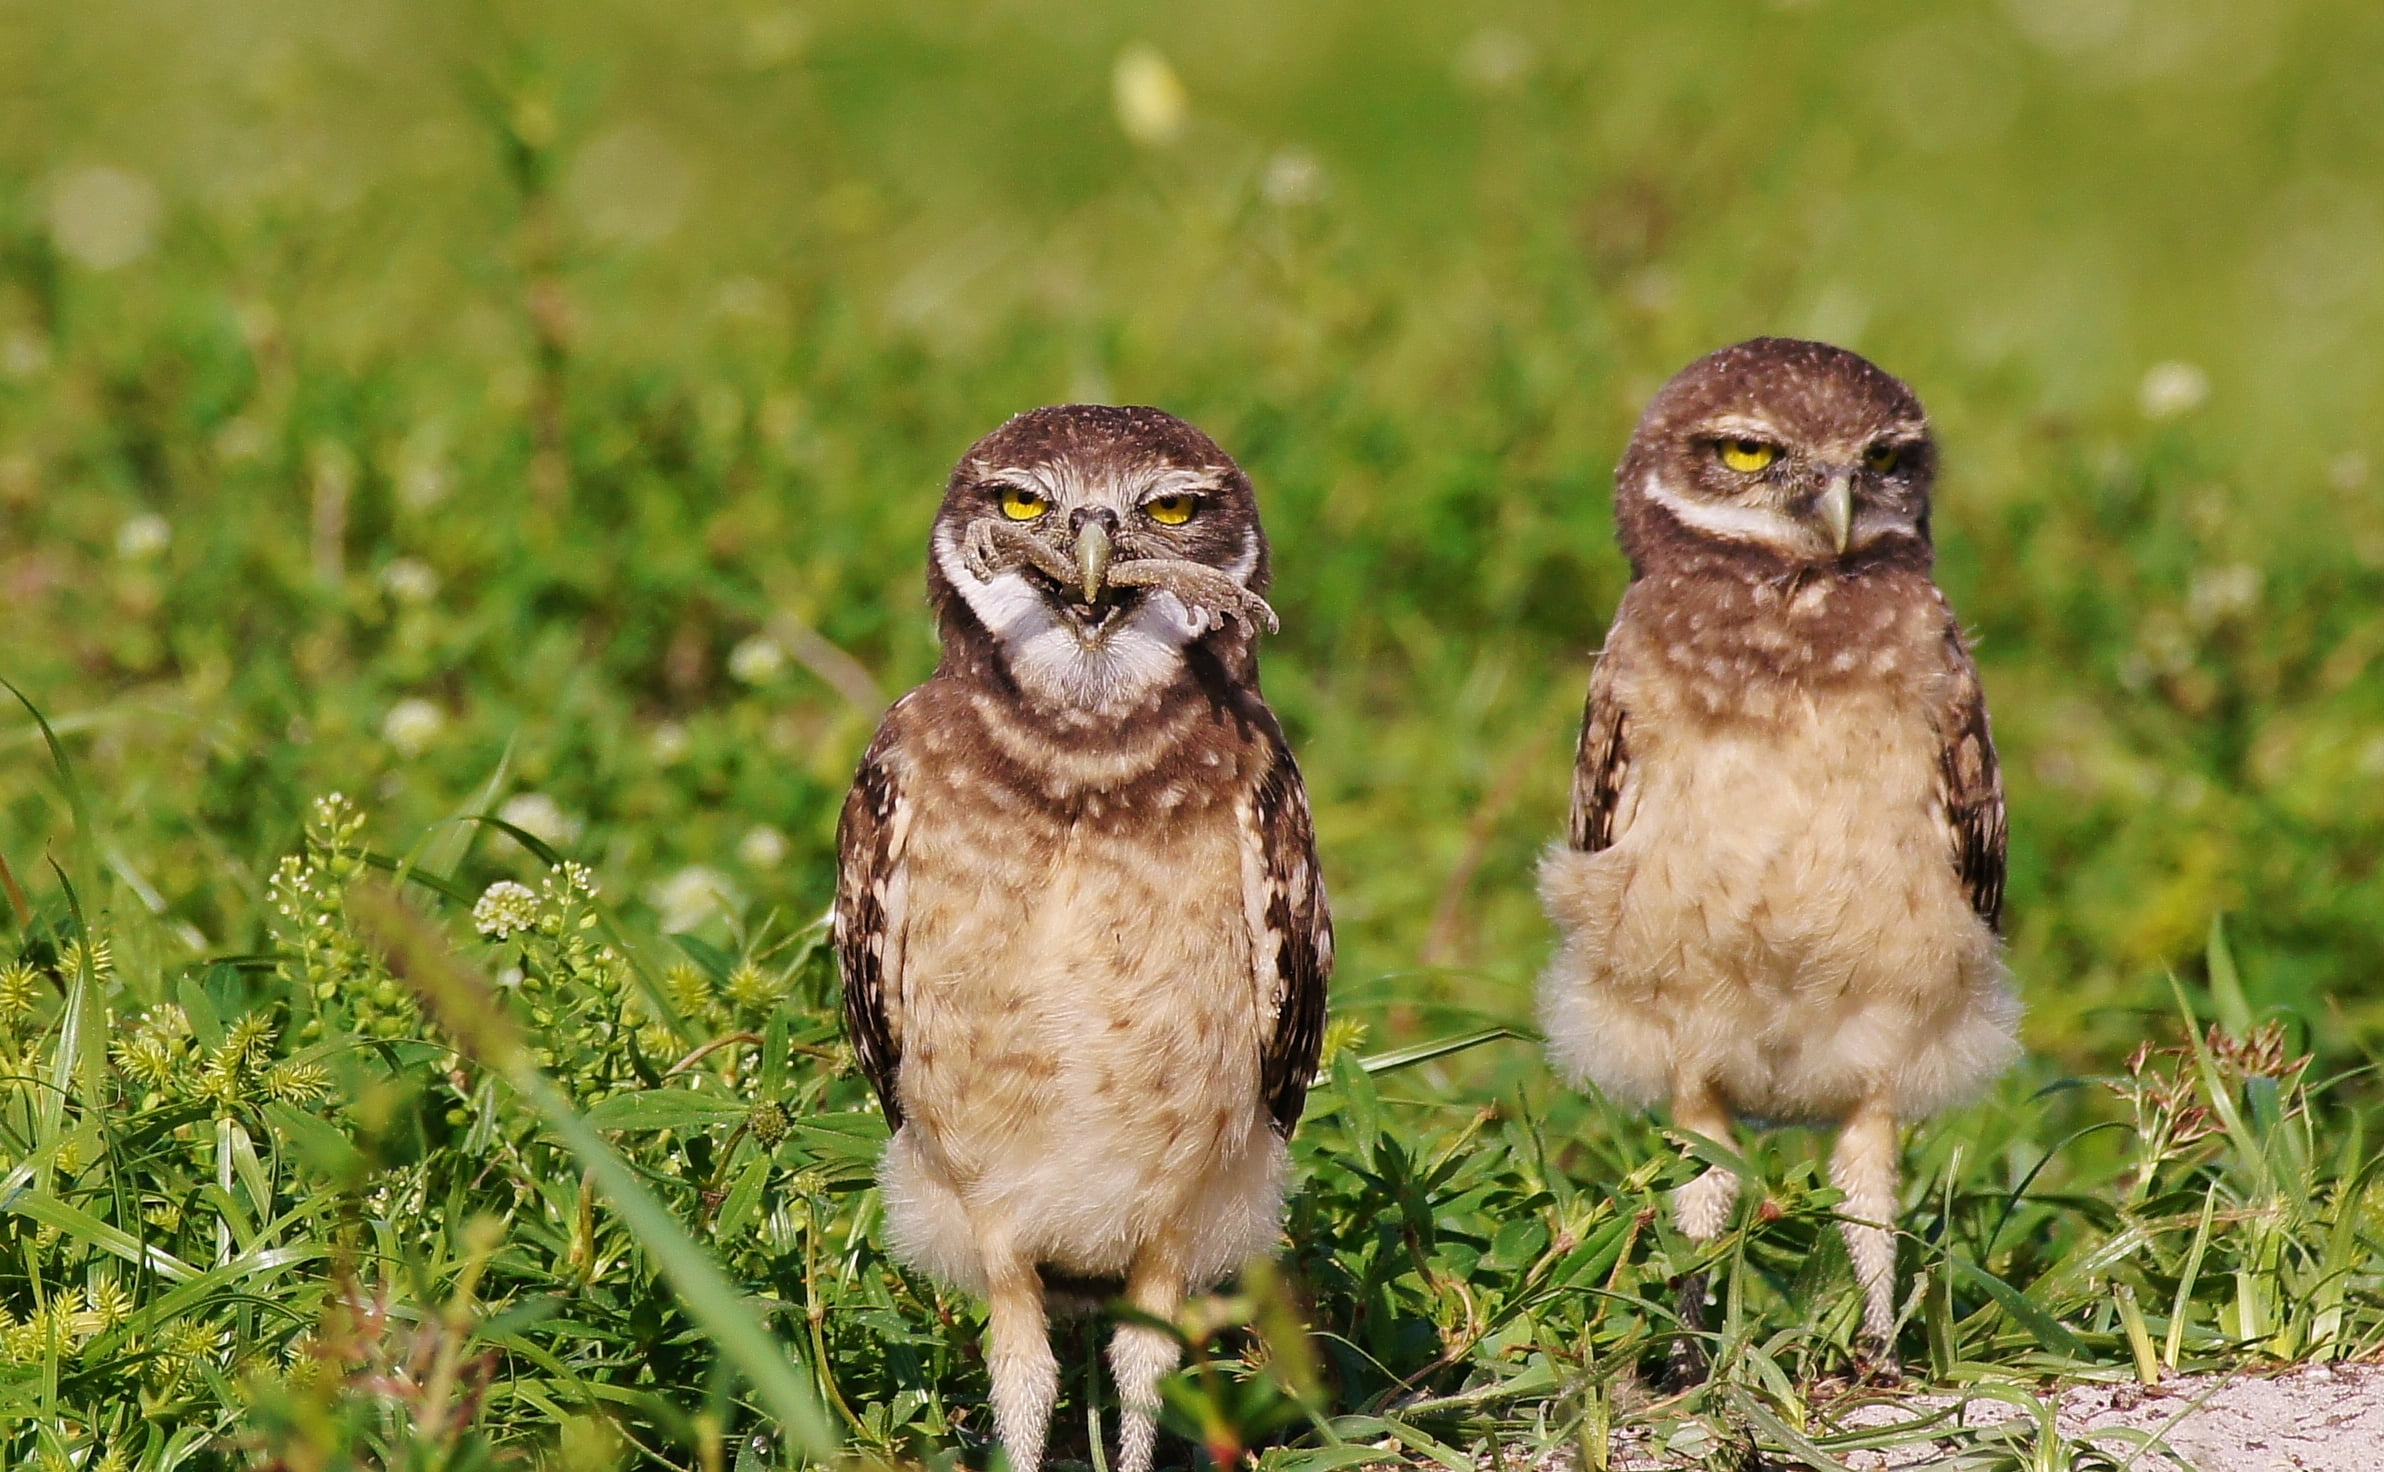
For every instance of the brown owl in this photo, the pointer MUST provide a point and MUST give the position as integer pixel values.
(1083, 937)
(1782, 888)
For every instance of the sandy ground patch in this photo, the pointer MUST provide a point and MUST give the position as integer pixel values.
(2318, 1418)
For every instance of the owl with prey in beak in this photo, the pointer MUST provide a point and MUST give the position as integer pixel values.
(1783, 884)
(1083, 938)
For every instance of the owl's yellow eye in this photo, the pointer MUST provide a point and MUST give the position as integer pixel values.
(1021, 504)
(1882, 457)
(1170, 510)
(1748, 456)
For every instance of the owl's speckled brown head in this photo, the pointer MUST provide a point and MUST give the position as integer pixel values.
(1087, 547)
(1787, 452)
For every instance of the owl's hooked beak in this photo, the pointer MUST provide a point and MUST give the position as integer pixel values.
(1836, 510)
(1093, 548)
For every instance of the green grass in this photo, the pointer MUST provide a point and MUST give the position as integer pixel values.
(538, 410)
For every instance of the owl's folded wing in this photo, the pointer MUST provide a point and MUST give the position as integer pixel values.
(1603, 761)
(869, 919)
(1970, 787)
(1291, 931)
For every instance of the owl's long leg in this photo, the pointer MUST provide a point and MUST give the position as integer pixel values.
(1018, 1357)
(1701, 1209)
(1140, 1356)
(1864, 1167)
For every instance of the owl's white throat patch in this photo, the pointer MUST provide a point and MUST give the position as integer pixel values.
(1125, 660)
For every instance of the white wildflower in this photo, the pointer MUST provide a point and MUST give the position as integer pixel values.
(759, 660)
(1152, 106)
(542, 818)
(412, 725)
(762, 847)
(143, 537)
(103, 217)
(1293, 177)
(2172, 389)
(693, 895)
(410, 581)
(24, 353)
(505, 907)
(2222, 593)
(1493, 60)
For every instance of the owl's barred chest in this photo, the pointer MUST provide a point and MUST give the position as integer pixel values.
(1789, 755)
(1069, 957)
(1765, 651)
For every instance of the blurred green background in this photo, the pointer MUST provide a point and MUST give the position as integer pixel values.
(384, 386)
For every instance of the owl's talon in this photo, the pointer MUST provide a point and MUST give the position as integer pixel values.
(1208, 595)
(978, 552)
(991, 548)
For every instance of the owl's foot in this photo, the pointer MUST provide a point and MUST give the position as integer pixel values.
(1207, 593)
(1876, 1367)
(991, 548)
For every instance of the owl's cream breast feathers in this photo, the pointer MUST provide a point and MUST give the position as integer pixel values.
(1084, 1013)
(1780, 907)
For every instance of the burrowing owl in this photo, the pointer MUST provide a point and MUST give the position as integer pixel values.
(1083, 936)
(1784, 880)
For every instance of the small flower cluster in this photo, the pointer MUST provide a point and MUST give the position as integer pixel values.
(93, 953)
(744, 998)
(328, 962)
(65, 1323)
(506, 909)
(575, 987)
(181, 1346)
(1341, 1035)
(155, 1056)
(20, 988)
(2166, 1089)
(158, 1062)
(20, 985)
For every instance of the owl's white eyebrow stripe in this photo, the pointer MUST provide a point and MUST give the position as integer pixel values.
(1732, 523)
(1062, 479)
(1034, 477)
(1741, 427)
(1177, 483)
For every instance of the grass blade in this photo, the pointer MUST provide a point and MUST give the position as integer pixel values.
(2184, 1302)
(2048, 1331)
(1425, 1052)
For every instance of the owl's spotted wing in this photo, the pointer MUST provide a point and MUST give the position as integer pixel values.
(1969, 784)
(869, 917)
(1603, 760)
(1291, 931)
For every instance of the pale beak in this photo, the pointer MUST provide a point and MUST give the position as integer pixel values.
(1092, 558)
(1836, 509)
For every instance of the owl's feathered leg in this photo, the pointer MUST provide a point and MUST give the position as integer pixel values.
(1018, 1357)
(1139, 1356)
(1701, 1209)
(1864, 1167)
